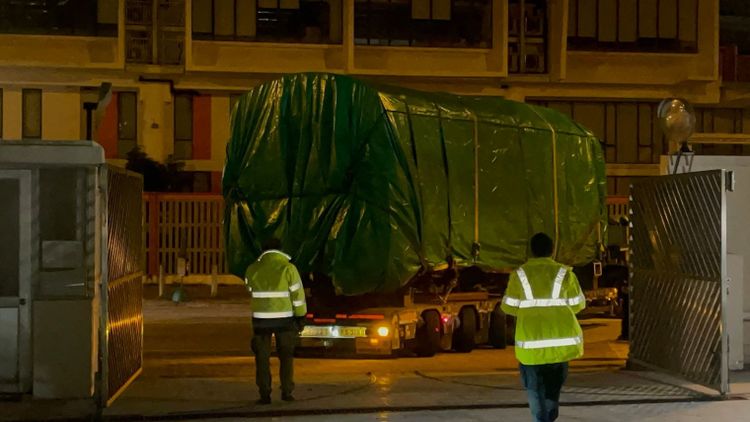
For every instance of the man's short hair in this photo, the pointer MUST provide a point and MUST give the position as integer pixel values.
(541, 245)
(272, 243)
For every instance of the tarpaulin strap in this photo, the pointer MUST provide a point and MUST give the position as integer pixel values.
(476, 180)
(525, 283)
(555, 195)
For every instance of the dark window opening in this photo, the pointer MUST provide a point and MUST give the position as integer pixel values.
(183, 126)
(71, 17)
(424, 23)
(633, 25)
(527, 36)
(32, 114)
(127, 123)
(286, 21)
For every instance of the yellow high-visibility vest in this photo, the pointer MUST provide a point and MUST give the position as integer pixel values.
(275, 286)
(545, 297)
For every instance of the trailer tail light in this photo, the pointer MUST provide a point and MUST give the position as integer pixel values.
(445, 318)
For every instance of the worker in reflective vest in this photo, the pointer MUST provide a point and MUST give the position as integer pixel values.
(544, 296)
(279, 309)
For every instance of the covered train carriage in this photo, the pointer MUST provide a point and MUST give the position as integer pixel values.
(372, 184)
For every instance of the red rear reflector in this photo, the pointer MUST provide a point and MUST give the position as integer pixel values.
(341, 316)
(309, 316)
(366, 316)
(324, 320)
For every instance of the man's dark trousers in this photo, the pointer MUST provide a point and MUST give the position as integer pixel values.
(286, 339)
(543, 384)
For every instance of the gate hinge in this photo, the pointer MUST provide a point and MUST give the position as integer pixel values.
(730, 181)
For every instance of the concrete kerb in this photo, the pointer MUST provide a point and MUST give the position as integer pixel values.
(252, 413)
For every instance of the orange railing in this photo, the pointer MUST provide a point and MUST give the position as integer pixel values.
(617, 206)
(191, 224)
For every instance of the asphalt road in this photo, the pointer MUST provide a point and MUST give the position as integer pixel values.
(198, 365)
(203, 338)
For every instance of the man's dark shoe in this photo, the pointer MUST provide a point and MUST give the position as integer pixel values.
(264, 400)
(287, 397)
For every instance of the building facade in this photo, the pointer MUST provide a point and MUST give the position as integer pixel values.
(177, 66)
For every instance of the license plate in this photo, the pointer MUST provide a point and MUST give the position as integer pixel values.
(334, 332)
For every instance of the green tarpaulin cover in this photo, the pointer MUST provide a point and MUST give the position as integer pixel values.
(370, 184)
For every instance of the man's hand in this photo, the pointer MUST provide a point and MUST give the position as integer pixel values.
(299, 322)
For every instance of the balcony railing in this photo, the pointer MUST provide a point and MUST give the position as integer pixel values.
(284, 21)
(635, 25)
(424, 23)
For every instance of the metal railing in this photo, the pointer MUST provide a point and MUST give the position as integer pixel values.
(139, 12)
(191, 225)
(184, 224)
(617, 207)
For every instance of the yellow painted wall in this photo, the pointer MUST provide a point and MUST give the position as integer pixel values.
(156, 120)
(220, 113)
(59, 51)
(61, 114)
(11, 112)
(654, 68)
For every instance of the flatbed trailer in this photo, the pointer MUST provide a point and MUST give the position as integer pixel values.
(424, 325)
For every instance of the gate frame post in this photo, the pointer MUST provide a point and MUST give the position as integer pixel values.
(103, 192)
(726, 184)
(154, 201)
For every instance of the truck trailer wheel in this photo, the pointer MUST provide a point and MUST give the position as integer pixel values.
(464, 339)
(428, 335)
(498, 329)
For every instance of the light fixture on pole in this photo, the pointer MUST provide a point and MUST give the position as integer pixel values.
(677, 120)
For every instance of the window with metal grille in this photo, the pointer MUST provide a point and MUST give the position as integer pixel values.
(633, 25)
(31, 113)
(127, 122)
(630, 132)
(527, 36)
(183, 126)
(71, 17)
(293, 21)
(424, 23)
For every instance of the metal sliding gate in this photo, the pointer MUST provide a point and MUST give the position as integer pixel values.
(679, 280)
(122, 295)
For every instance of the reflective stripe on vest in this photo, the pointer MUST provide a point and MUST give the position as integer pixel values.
(269, 315)
(294, 287)
(554, 342)
(511, 301)
(542, 303)
(297, 303)
(558, 283)
(525, 283)
(530, 302)
(270, 294)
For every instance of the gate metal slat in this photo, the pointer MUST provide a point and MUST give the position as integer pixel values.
(678, 275)
(123, 287)
(702, 224)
